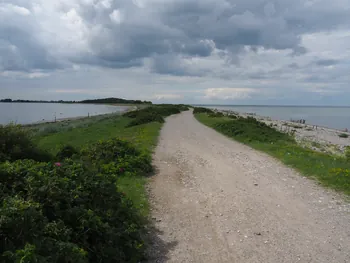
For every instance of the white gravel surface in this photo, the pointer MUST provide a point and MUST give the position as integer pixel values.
(216, 200)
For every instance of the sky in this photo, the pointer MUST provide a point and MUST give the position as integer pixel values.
(278, 52)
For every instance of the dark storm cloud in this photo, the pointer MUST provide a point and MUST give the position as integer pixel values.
(326, 62)
(21, 52)
(173, 65)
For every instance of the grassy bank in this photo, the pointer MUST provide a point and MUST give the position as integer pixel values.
(331, 171)
(74, 191)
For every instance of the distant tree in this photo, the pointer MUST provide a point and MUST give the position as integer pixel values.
(6, 100)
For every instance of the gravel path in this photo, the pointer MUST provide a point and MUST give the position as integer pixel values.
(216, 200)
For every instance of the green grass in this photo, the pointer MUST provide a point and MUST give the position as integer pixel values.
(331, 171)
(134, 188)
(80, 133)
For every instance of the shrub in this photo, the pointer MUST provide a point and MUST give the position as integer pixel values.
(216, 115)
(202, 110)
(66, 151)
(251, 130)
(343, 135)
(153, 113)
(116, 156)
(146, 117)
(347, 153)
(66, 213)
(232, 116)
(16, 143)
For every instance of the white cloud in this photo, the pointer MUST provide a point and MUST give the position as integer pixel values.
(167, 96)
(10, 8)
(229, 93)
(105, 4)
(116, 16)
(23, 75)
(79, 91)
(35, 75)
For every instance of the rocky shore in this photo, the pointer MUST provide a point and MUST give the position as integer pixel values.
(315, 137)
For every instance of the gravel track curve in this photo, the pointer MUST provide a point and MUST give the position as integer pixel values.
(216, 200)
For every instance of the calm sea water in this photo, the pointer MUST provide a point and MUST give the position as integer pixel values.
(331, 117)
(25, 113)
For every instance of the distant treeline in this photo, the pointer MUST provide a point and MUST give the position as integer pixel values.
(95, 101)
(115, 101)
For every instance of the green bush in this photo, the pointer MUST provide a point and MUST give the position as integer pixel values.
(66, 151)
(16, 143)
(117, 156)
(347, 153)
(232, 116)
(251, 130)
(343, 135)
(71, 210)
(66, 212)
(216, 115)
(154, 113)
(202, 110)
(146, 117)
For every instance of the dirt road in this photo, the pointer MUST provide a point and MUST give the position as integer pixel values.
(215, 200)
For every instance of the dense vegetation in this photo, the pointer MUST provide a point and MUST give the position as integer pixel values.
(153, 113)
(70, 210)
(329, 170)
(93, 101)
(82, 198)
(16, 144)
(202, 110)
(249, 129)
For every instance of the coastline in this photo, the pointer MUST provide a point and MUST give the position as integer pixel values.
(68, 119)
(318, 138)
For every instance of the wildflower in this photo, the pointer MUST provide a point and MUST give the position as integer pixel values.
(121, 170)
(58, 164)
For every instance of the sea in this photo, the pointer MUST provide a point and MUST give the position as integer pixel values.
(331, 117)
(27, 113)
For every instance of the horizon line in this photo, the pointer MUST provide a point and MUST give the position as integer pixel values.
(266, 105)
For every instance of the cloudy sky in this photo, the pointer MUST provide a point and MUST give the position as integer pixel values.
(189, 51)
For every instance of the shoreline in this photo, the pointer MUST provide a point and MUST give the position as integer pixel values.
(315, 137)
(59, 120)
